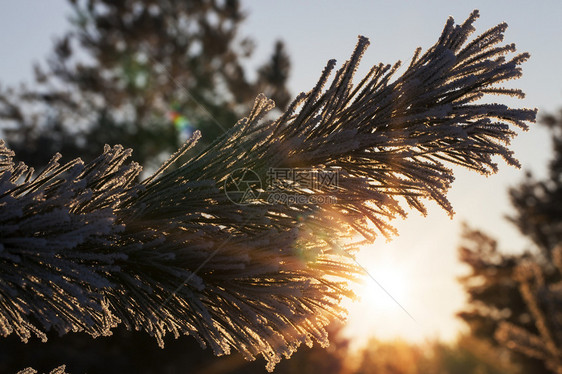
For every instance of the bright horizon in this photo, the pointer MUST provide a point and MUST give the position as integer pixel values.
(419, 268)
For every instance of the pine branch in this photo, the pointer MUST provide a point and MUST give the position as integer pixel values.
(85, 247)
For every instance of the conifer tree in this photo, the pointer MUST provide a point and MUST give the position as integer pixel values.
(86, 246)
(493, 293)
(518, 301)
(542, 291)
(126, 68)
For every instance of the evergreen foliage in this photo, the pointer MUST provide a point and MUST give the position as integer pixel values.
(86, 247)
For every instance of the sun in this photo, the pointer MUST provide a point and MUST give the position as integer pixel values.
(384, 307)
(385, 288)
(409, 290)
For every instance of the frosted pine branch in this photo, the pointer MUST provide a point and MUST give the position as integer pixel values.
(84, 247)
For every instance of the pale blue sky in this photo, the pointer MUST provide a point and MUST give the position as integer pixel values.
(314, 31)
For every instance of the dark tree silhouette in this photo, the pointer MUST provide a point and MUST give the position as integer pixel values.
(538, 203)
(125, 66)
(519, 292)
(493, 292)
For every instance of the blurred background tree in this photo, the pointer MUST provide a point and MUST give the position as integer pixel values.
(467, 355)
(492, 291)
(538, 203)
(521, 293)
(128, 71)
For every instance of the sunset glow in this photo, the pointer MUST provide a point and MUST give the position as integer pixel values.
(419, 298)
